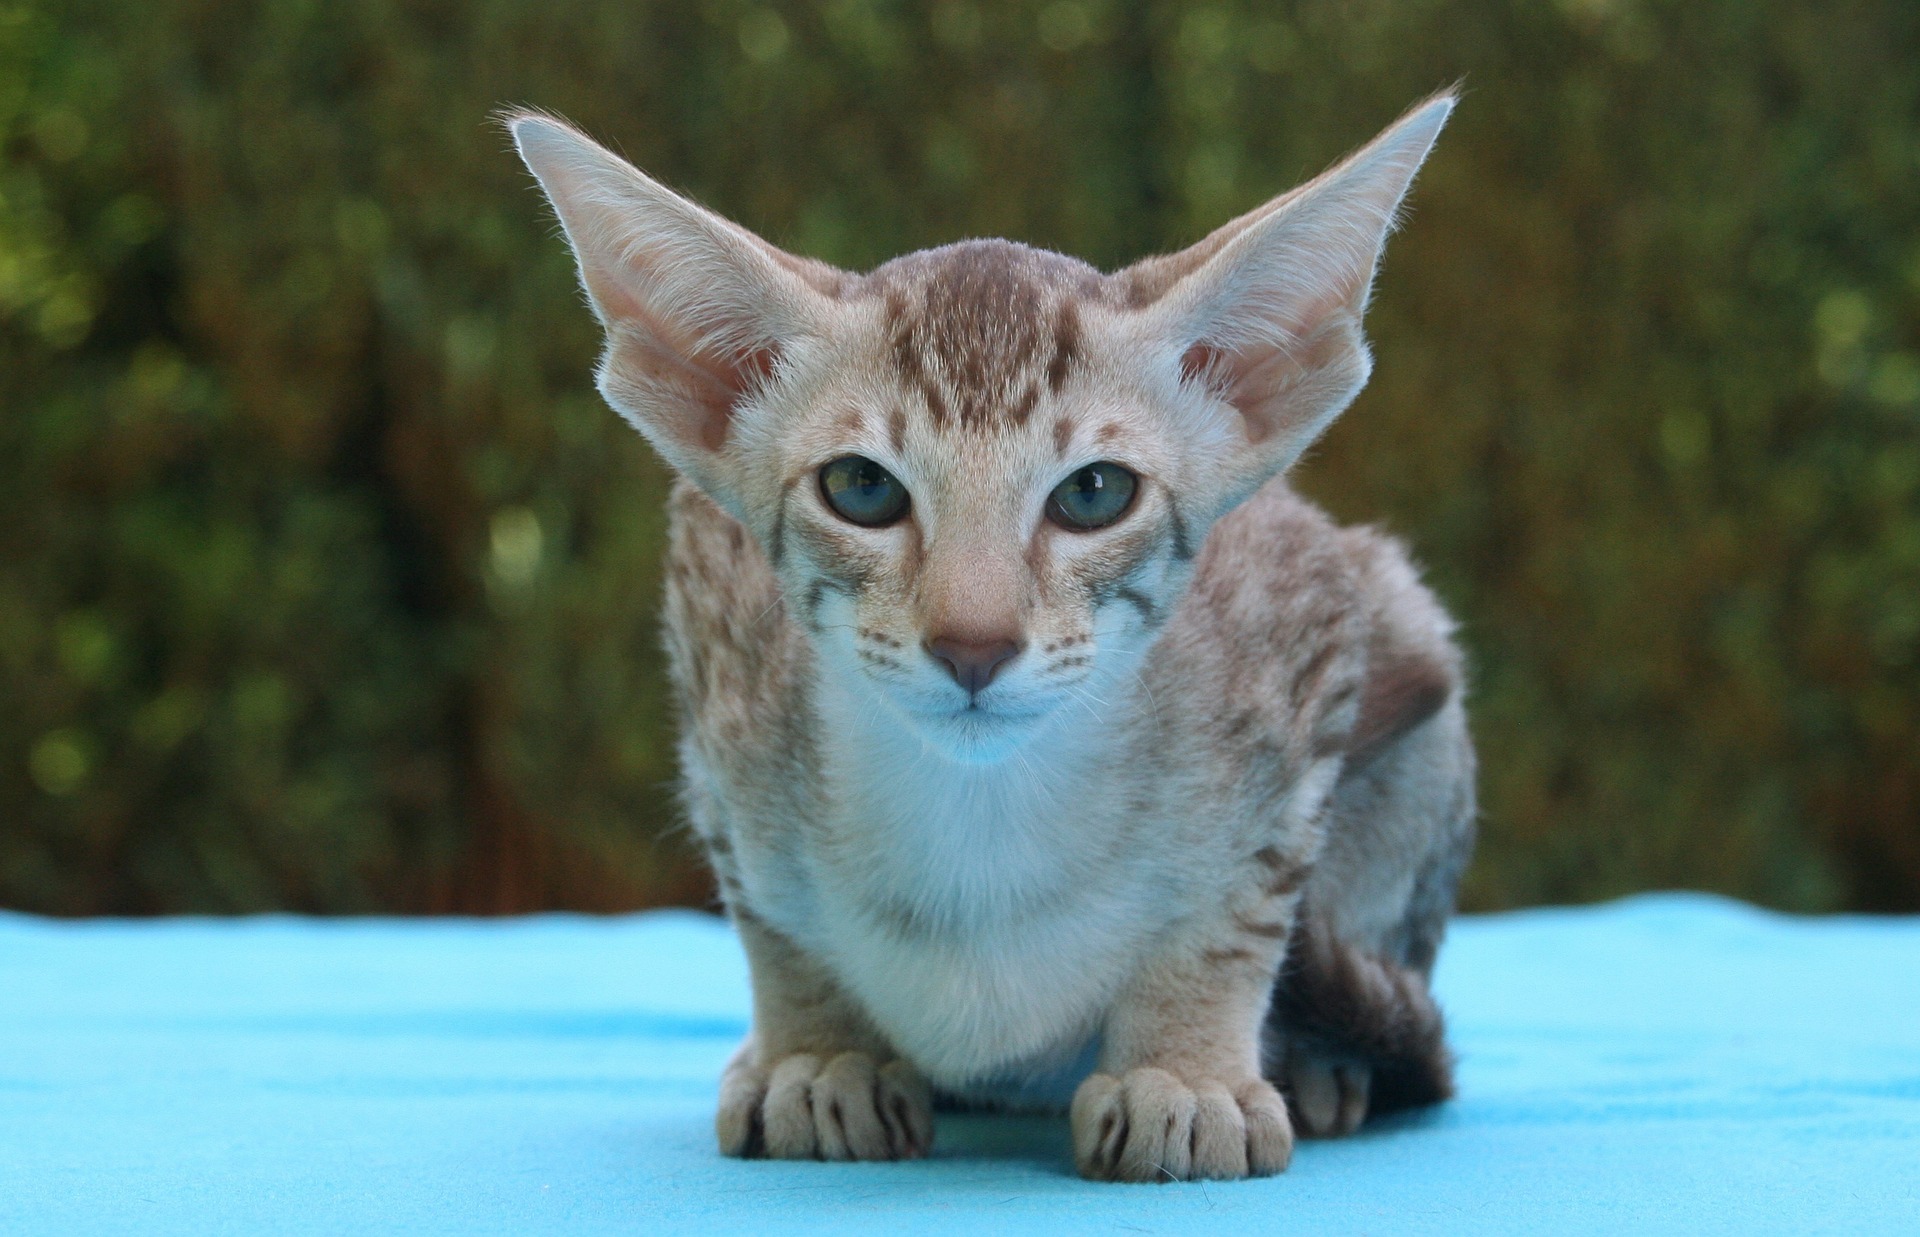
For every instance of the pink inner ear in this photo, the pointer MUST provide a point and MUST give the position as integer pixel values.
(757, 366)
(1202, 362)
(1268, 383)
(1226, 377)
(726, 382)
(706, 385)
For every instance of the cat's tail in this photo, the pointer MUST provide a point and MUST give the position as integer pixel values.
(1339, 1001)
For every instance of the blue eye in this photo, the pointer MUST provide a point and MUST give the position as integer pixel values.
(862, 492)
(1093, 497)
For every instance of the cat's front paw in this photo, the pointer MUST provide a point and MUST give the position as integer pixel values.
(808, 1107)
(1149, 1125)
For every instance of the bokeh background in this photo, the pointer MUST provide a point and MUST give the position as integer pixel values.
(326, 582)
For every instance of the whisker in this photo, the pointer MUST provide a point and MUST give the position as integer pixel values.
(1082, 697)
(1151, 702)
(771, 606)
(1098, 699)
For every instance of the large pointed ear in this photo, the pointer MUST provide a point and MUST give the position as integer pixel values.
(1265, 313)
(698, 311)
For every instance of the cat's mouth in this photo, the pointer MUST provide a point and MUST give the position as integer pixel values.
(977, 710)
(975, 713)
(978, 731)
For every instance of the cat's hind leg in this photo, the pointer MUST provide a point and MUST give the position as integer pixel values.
(1353, 1029)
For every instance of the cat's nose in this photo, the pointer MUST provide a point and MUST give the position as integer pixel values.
(973, 663)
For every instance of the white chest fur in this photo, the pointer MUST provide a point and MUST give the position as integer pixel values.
(983, 914)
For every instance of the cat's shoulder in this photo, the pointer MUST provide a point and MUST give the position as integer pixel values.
(1306, 614)
(727, 630)
(1277, 564)
(711, 558)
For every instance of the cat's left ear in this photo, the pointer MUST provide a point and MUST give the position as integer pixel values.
(1265, 313)
(698, 311)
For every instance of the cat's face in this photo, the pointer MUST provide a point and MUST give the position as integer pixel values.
(981, 472)
(981, 503)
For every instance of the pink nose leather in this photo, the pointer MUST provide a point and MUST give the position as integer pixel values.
(973, 663)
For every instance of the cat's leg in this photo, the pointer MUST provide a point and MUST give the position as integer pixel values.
(1354, 1028)
(1179, 1092)
(814, 1080)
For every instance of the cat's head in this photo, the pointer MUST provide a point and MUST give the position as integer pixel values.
(982, 472)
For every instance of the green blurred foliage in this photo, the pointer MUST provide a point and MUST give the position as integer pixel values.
(327, 583)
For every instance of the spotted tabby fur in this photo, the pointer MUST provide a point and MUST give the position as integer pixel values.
(1195, 844)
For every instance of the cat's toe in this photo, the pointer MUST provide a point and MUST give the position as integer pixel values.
(1218, 1146)
(787, 1116)
(846, 1114)
(906, 1109)
(743, 1093)
(1269, 1132)
(1149, 1125)
(866, 1112)
(1329, 1098)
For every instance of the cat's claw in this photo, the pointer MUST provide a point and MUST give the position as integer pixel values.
(1149, 1125)
(813, 1108)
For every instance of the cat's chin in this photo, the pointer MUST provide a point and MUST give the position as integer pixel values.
(976, 735)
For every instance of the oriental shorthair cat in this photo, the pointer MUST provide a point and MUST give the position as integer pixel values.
(1050, 751)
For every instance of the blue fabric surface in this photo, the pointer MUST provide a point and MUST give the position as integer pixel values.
(1665, 1064)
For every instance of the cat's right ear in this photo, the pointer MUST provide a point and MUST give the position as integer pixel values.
(1265, 314)
(698, 311)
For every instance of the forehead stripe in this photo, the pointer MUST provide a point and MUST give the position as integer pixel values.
(1066, 344)
(907, 355)
(983, 329)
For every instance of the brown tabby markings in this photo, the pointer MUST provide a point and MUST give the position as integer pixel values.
(968, 326)
(1284, 876)
(1182, 540)
(1229, 729)
(1272, 931)
(1066, 344)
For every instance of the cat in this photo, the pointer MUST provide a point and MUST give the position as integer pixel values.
(1048, 749)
